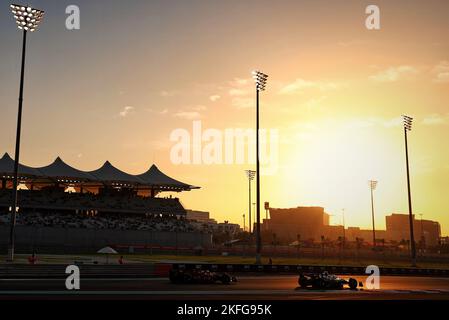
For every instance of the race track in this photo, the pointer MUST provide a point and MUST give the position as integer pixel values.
(247, 287)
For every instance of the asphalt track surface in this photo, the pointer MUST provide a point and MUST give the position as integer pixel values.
(247, 288)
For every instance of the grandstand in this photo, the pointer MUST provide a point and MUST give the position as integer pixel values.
(59, 196)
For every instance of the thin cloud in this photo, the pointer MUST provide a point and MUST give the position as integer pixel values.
(299, 85)
(238, 92)
(163, 111)
(243, 103)
(240, 82)
(188, 115)
(126, 111)
(435, 119)
(441, 72)
(314, 102)
(239, 87)
(214, 97)
(393, 74)
(165, 93)
(199, 108)
(374, 121)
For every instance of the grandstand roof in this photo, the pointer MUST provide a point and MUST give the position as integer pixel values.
(7, 167)
(153, 178)
(59, 169)
(111, 174)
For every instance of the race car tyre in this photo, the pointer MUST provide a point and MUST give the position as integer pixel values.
(302, 282)
(352, 283)
(319, 284)
(225, 279)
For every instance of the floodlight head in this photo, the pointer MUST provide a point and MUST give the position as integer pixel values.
(373, 184)
(250, 174)
(407, 122)
(27, 18)
(261, 80)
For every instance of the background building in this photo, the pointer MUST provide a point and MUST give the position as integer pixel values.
(200, 216)
(287, 224)
(398, 229)
(311, 223)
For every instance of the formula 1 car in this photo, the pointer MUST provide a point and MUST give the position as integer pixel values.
(326, 281)
(199, 277)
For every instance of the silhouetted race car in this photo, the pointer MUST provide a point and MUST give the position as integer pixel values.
(200, 277)
(325, 280)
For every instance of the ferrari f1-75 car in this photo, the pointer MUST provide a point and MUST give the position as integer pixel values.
(200, 277)
(325, 281)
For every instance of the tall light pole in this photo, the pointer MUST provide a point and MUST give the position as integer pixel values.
(422, 229)
(261, 80)
(407, 127)
(27, 19)
(372, 186)
(250, 174)
(254, 210)
(344, 231)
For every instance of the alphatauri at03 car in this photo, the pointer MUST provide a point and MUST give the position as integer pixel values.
(200, 277)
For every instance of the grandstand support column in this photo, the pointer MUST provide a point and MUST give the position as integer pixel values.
(17, 154)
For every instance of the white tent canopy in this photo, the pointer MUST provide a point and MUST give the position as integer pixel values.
(107, 250)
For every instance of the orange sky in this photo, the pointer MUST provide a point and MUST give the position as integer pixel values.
(117, 88)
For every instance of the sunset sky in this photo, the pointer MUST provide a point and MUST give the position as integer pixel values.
(137, 70)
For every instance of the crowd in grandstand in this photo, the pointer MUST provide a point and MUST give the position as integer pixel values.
(103, 221)
(112, 209)
(105, 201)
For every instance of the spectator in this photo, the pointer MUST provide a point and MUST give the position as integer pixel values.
(32, 259)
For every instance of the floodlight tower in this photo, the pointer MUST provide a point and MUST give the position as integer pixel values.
(260, 79)
(408, 127)
(372, 186)
(27, 20)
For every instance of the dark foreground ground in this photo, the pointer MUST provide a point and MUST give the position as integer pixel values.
(247, 288)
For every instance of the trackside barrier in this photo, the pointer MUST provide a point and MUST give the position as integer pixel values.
(12, 271)
(88, 271)
(295, 269)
